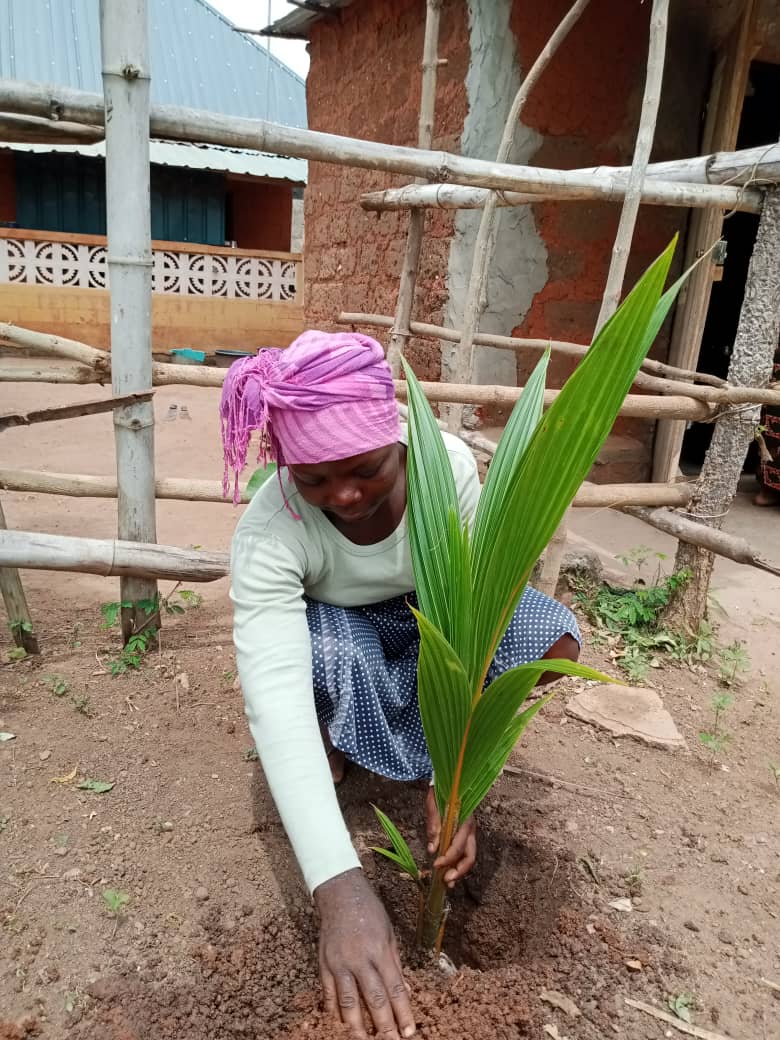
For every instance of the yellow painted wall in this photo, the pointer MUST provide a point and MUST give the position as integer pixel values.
(203, 323)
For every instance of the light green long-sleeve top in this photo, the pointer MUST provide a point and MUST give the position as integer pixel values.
(275, 559)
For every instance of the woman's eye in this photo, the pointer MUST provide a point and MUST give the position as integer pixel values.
(367, 474)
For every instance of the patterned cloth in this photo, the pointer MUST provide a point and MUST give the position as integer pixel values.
(365, 674)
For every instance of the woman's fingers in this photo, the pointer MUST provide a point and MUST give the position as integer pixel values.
(460, 857)
(347, 1003)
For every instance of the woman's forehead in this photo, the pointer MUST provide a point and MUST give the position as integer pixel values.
(342, 467)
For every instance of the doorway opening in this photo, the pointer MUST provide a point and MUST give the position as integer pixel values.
(759, 124)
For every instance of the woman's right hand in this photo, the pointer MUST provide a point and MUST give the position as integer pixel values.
(359, 959)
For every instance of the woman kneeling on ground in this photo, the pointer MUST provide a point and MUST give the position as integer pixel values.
(326, 644)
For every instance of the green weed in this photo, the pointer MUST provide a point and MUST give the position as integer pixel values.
(717, 740)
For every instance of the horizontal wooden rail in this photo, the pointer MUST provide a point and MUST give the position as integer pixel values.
(83, 485)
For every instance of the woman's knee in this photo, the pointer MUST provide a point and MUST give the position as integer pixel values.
(566, 648)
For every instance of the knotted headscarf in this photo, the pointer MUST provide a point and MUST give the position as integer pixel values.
(328, 396)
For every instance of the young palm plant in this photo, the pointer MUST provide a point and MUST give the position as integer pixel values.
(469, 582)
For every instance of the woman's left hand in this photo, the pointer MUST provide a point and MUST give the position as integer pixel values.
(462, 853)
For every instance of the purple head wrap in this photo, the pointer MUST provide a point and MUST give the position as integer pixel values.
(328, 396)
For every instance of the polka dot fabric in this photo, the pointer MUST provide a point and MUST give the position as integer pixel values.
(364, 664)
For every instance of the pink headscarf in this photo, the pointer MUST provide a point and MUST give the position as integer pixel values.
(328, 396)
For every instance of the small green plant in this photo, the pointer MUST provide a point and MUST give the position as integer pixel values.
(633, 879)
(469, 578)
(17, 653)
(638, 557)
(57, 684)
(111, 612)
(115, 902)
(717, 740)
(4, 821)
(734, 659)
(133, 652)
(634, 616)
(18, 626)
(775, 771)
(681, 1005)
(228, 675)
(698, 648)
(251, 755)
(83, 705)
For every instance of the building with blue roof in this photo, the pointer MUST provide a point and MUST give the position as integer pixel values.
(232, 203)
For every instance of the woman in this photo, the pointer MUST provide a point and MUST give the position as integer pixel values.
(325, 642)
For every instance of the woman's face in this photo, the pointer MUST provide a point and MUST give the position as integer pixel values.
(353, 489)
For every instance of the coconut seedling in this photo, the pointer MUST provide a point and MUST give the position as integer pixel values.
(470, 580)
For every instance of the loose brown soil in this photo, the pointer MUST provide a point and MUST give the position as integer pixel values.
(218, 941)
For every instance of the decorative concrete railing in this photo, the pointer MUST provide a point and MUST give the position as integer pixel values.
(48, 258)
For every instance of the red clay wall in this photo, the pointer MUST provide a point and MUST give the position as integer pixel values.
(260, 214)
(365, 82)
(7, 187)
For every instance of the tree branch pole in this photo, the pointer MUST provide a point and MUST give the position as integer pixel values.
(659, 18)
(12, 590)
(187, 489)
(172, 123)
(414, 235)
(602, 187)
(577, 350)
(108, 557)
(125, 54)
(751, 362)
(485, 241)
(71, 411)
(696, 534)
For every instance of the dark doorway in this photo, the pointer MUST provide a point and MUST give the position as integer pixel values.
(759, 124)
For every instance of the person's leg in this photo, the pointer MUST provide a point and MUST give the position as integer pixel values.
(541, 628)
(364, 670)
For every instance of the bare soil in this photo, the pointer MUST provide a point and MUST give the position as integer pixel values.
(218, 939)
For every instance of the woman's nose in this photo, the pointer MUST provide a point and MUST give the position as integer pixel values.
(345, 495)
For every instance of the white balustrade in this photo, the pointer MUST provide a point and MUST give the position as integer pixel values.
(229, 274)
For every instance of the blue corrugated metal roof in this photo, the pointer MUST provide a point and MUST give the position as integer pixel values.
(197, 60)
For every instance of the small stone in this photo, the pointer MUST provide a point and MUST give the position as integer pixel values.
(742, 890)
(718, 857)
(43, 755)
(624, 905)
(72, 875)
(627, 711)
(166, 825)
(633, 965)
(691, 926)
(61, 850)
(726, 937)
(201, 894)
(559, 1000)
(571, 827)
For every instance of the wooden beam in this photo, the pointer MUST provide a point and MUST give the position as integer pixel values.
(108, 557)
(170, 122)
(12, 590)
(71, 411)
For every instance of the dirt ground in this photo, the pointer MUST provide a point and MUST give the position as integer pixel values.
(218, 938)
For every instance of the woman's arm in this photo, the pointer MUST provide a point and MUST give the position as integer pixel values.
(273, 652)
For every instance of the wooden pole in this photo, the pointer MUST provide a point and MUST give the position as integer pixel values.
(186, 489)
(70, 411)
(695, 534)
(170, 122)
(12, 590)
(578, 350)
(644, 143)
(603, 186)
(485, 241)
(108, 557)
(671, 183)
(751, 362)
(125, 54)
(414, 235)
(33, 130)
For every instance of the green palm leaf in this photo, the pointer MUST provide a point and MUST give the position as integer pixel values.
(400, 854)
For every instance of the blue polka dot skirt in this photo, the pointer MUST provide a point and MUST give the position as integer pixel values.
(365, 674)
